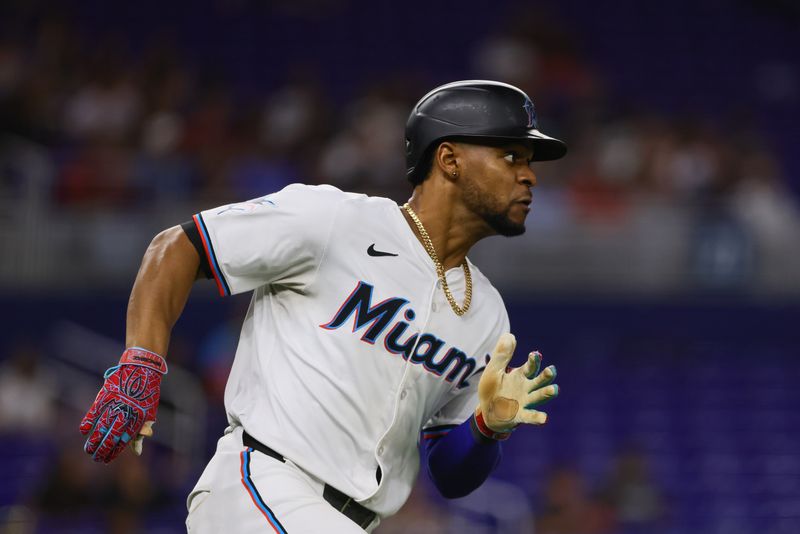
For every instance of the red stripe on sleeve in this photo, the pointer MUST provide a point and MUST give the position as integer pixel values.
(211, 264)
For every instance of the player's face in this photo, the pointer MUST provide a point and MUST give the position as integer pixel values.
(497, 185)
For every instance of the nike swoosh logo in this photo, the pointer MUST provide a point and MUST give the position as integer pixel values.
(372, 252)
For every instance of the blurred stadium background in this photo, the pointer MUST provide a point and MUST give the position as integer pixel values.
(660, 270)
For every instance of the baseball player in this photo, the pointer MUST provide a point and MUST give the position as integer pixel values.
(371, 339)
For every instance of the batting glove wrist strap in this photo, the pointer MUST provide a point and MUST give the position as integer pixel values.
(128, 399)
(145, 358)
(483, 431)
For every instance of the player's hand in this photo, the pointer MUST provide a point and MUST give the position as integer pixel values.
(508, 396)
(145, 432)
(125, 408)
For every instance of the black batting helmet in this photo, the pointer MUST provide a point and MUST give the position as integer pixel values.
(476, 109)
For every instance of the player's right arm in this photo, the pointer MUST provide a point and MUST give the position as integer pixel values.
(125, 408)
(280, 238)
(170, 266)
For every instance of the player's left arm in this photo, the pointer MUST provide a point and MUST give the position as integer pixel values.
(461, 458)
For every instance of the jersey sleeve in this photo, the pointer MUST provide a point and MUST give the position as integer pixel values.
(455, 412)
(276, 239)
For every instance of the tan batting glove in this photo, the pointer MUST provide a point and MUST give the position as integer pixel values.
(508, 396)
(145, 432)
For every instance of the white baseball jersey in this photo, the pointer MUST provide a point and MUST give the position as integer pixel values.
(349, 348)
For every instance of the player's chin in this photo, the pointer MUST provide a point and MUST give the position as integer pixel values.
(509, 224)
(514, 229)
(517, 215)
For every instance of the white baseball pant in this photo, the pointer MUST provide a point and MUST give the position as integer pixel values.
(244, 491)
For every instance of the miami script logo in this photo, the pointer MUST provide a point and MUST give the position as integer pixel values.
(425, 349)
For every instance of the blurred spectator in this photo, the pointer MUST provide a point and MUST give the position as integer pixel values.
(11, 66)
(254, 170)
(28, 391)
(98, 176)
(71, 488)
(367, 154)
(108, 102)
(74, 490)
(637, 500)
(295, 117)
(722, 254)
(131, 495)
(762, 200)
(157, 129)
(511, 58)
(568, 507)
(160, 169)
(208, 140)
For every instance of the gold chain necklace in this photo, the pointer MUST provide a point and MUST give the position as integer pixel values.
(428, 244)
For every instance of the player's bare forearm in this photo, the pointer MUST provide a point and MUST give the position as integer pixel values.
(125, 409)
(169, 268)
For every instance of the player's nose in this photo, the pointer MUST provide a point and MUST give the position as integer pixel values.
(527, 177)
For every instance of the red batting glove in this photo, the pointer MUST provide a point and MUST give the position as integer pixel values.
(128, 398)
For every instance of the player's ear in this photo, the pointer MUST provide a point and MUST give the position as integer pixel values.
(446, 159)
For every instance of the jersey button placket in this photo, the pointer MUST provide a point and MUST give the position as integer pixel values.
(403, 394)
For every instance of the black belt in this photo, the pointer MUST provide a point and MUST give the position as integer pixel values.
(360, 515)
